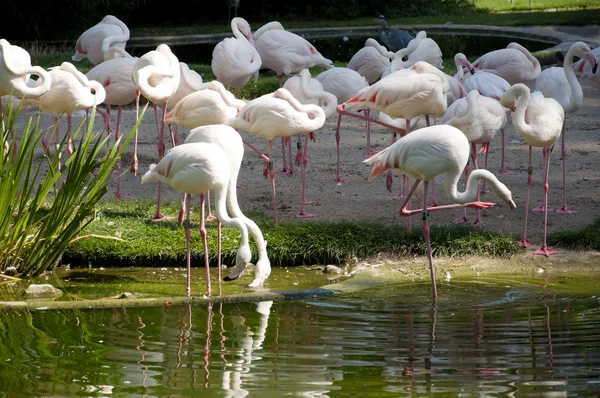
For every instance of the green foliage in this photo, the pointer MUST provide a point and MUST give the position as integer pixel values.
(36, 229)
(291, 243)
(587, 238)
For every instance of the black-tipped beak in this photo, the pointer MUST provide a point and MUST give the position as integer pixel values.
(472, 71)
(595, 68)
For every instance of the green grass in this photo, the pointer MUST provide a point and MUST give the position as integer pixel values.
(587, 238)
(291, 243)
(505, 5)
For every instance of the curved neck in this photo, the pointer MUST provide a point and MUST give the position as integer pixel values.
(380, 49)
(221, 211)
(534, 61)
(43, 83)
(327, 101)
(226, 95)
(315, 113)
(269, 26)
(518, 116)
(471, 188)
(576, 91)
(111, 40)
(100, 93)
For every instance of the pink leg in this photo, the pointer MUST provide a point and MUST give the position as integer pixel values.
(370, 152)
(284, 168)
(204, 244)
(188, 290)
(290, 158)
(134, 160)
(426, 233)
(564, 209)
(485, 148)
(209, 216)
(69, 142)
(524, 241)
(219, 254)
(158, 216)
(478, 222)
(544, 249)
(272, 177)
(338, 180)
(434, 201)
(544, 206)
(303, 170)
(503, 169)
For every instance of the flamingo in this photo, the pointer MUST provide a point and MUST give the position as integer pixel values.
(231, 141)
(189, 82)
(515, 64)
(109, 32)
(539, 121)
(115, 76)
(234, 59)
(479, 118)
(487, 84)
(344, 83)
(407, 93)
(421, 48)
(371, 60)
(393, 38)
(156, 75)
(195, 168)
(561, 84)
(70, 90)
(427, 153)
(308, 91)
(285, 52)
(584, 70)
(277, 114)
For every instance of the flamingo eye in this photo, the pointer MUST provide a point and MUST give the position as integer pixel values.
(93, 91)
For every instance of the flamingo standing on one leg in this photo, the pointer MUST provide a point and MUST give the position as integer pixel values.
(231, 141)
(277, 114)
(195, 168)
(234, 59)
(156, 74)
(427, 153)
(94, 42)
(479, 118)
(308, 91)
(115, 76)
(539, 121)
(561, 84)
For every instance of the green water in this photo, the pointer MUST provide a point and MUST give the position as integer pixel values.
(479, 339)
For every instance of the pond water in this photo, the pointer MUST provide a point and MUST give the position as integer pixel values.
(342, 48)
(478, 340)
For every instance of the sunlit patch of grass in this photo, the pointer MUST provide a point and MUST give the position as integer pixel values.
(587, 238)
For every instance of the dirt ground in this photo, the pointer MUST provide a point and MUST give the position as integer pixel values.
(363, 200)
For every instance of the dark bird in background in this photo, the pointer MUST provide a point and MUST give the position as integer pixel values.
(393, 38)
(232, 4)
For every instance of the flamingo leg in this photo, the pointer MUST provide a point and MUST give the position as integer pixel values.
(338, 180)
(271, 174)
(426, 234)
(564, 209)
(370, 152)
(188, 290)
(158, 216)
(204, 243)
(485, 148)
(219, 226)
(209, 216)
(544, 206)
(478, 222)
(117, 138)
(544, 249)
(465, 219)
(303, 165)
(503, 169)
(524, 241)
(284, 168)
(69, 142)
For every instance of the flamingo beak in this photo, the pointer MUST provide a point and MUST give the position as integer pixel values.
(511, 204)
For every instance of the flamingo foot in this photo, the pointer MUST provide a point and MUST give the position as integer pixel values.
(302, 214)
(541, 208)
(524, 242)
(307, 201)
(119, 196)
(433, 204)
(211, 218)
(286, 172)
(369, 153)
(339, 181)
(565, 210)
(399, 196)
(546, 251)
(506, 171)
(479, 224)
(463, 220)
(159, 217)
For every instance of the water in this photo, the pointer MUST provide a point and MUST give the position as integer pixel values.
(478, 340)
(342, 48)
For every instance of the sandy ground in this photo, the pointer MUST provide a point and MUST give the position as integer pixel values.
(363, 200)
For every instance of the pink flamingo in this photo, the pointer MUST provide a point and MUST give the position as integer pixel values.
(189, 82)
(479, 118)
(561, 84)
(515, 64)
(371, 60)
(585, 71)
(285, 53)
(277, 114)
(344, 83)
(539, 121)
(115, 76)
(234, 59)
(427, 153)
(487, 84)
(195, 168)
(156, 75)
(109, 32)
(231, 141)
(308, 91)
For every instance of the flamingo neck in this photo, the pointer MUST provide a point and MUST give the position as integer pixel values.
(576, 99)
(472, 186)
(518, 116)
(220, 195)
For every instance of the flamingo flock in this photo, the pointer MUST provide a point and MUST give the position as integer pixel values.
(404, 84)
